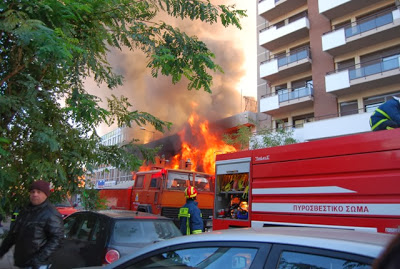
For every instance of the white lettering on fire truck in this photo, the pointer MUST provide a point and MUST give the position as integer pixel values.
(331, 208)
(340, 209)
(392, 230)
(262, 158)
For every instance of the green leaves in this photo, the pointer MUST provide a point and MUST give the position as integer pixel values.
(48, 50)
(244, 138)
(177, 54)
(202, 10)
(240, 139)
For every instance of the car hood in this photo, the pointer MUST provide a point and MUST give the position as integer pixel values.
(126, 250)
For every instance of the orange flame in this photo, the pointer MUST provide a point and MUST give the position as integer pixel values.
(200, 150)
(204, 148)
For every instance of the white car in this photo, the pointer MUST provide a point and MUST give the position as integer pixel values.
(272, 247)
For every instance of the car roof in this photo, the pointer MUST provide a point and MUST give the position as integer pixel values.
(126, 214)
(356, 242)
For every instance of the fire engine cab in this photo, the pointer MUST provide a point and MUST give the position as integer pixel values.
(350, 182)
(160, 190)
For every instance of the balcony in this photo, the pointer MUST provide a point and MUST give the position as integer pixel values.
(374, 74)
(292, 63)
(287, 100)
(274, 37)
(337, 126)
(272, 9)
(380, 27)
(338, 8)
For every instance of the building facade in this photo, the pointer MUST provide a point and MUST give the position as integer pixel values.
(106, 176)
(325, 65)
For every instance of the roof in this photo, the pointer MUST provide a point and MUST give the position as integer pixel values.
(125, 214)
(357, 242)
(158, 170)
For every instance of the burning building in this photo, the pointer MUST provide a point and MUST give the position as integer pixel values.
(198, 142)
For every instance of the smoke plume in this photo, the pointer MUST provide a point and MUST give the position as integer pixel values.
(174, 103)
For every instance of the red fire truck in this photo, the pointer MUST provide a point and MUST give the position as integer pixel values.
(161, 191)
(350, 182)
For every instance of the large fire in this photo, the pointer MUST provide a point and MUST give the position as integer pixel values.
(202, 147)
(199, 147)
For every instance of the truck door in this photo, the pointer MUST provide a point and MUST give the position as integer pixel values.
(232, 189)
(153, 194)
(138, 192)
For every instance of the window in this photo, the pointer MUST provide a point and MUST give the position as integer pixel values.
(297, 17)
(289, 260)
(281, 124)
(345, 64)
(371, 103)
(86, 229)
(139, 181)
(280, 24)
(299, 121)
(179, 181)
(348, 108)
(70, 225)
(155, 182)
(280, 87)
(202, 183)
(342, 25)
(201, 257)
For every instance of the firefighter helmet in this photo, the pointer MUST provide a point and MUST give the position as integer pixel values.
(190, 192)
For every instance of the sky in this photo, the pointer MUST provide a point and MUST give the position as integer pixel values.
(236, 53)
(248, 42)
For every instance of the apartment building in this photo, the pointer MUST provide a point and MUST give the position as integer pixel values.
(325, 65)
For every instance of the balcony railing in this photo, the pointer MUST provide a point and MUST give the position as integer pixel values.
(281, 24)
(291, 57)
(287, 95)
(300, 54)
(369, 23)
(374, 67)
(265, 0)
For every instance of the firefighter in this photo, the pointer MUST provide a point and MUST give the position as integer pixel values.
(189, 216)
(386, 116)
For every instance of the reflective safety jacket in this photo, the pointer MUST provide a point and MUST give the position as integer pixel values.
(389, 110)
(190, 218)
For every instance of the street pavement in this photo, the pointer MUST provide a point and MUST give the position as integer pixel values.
(7, 262)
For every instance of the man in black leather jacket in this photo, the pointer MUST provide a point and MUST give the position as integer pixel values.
(38, 231)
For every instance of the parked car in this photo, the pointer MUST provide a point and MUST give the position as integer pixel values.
(94, 238)
(273, 247)
(65, 207)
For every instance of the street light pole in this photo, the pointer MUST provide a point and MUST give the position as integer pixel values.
(152, 132)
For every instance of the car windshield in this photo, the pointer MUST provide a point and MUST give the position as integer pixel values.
(143, 231)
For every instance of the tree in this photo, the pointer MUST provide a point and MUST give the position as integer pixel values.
(240, 139)
(48, 48)
(244, 138)
(266, 138)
